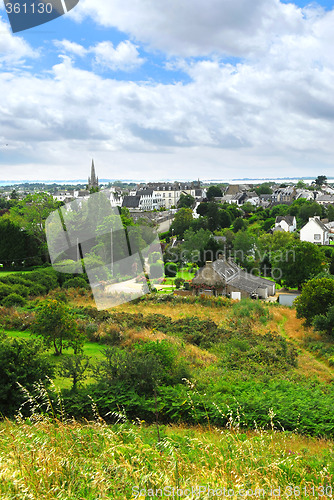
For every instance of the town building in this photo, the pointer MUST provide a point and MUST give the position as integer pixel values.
(315, 231)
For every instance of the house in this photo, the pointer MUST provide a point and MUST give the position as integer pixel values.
(305, 193)
(284, 195)
(325, 199)
(287, 223)
(225, 277)
(315, 231)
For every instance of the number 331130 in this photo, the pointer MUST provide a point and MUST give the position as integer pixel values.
(40, 8)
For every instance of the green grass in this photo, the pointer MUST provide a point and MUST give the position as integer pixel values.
(46, 460)
(7, 273)
(91, 349)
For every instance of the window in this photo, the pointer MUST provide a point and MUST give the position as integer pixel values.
(317, 237)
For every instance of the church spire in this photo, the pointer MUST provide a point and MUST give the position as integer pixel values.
(93, 181)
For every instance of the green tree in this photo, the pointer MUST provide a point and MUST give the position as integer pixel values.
(21, 362)
(300, 262)
(17, 245)
(330, 213)
(263, 189)
(186, 201)
(316, 298)
(320, 180)
(239, 224)
(325, 322)
(55, 323)
(76, 368)
(195, 244)
(225, 219)
(31, 213)
(248, 208)
(213, 216)
(301, 184)
(244, 244)
(213, 192)
(182, 221)
(202, 209)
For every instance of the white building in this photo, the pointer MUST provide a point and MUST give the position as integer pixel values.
(287, 223)
(315, 231)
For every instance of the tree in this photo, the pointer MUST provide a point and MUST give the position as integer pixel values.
(316, 298)
(320, 180)
(330, 213)
(309, 209)
(263, 189)
(186, 201)
(55, 323)
(195, 244)
(301, 184)
(225, 219)
(239, 224)
(243, 246)
(17, 245)
(202, 209)
(182, 221)
(21, 361)
(248, 207)
(75, 367)
(299, 262)
(213, 216)
(31, 213)
(325, 322)
(213, 192)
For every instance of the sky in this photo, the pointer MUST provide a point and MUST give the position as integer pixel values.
(177, 89)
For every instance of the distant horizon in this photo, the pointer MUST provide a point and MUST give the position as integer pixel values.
(74, 182)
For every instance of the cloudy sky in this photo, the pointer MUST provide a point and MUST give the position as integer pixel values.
(177, 89)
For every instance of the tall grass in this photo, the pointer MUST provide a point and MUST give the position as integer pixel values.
(54, 460)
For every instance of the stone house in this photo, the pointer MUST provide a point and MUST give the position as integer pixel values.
(225, 277)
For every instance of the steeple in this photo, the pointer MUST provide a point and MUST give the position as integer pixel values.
(93, 181)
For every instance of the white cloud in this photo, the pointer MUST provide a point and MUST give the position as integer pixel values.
(71, 47)
(13, 49)
(197, 28)
(125, 57)
(271, 114)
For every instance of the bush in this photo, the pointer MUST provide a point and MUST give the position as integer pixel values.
(13, 299)
(77, 282)
(170, 269)
(20, 362)
(36, 289)
(5, 290)
(179, 282)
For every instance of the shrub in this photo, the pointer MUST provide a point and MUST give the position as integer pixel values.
(13, 299)
(20, 361)
(20, 290)
(5, 290)
(77, 282)
(179, 282)
(170, 269)
(36, 289)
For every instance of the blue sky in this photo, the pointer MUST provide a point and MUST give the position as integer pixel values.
(210, 89)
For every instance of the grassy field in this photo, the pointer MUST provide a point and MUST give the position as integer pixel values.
(45, 460)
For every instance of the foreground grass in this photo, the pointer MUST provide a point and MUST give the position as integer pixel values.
(94, 461)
